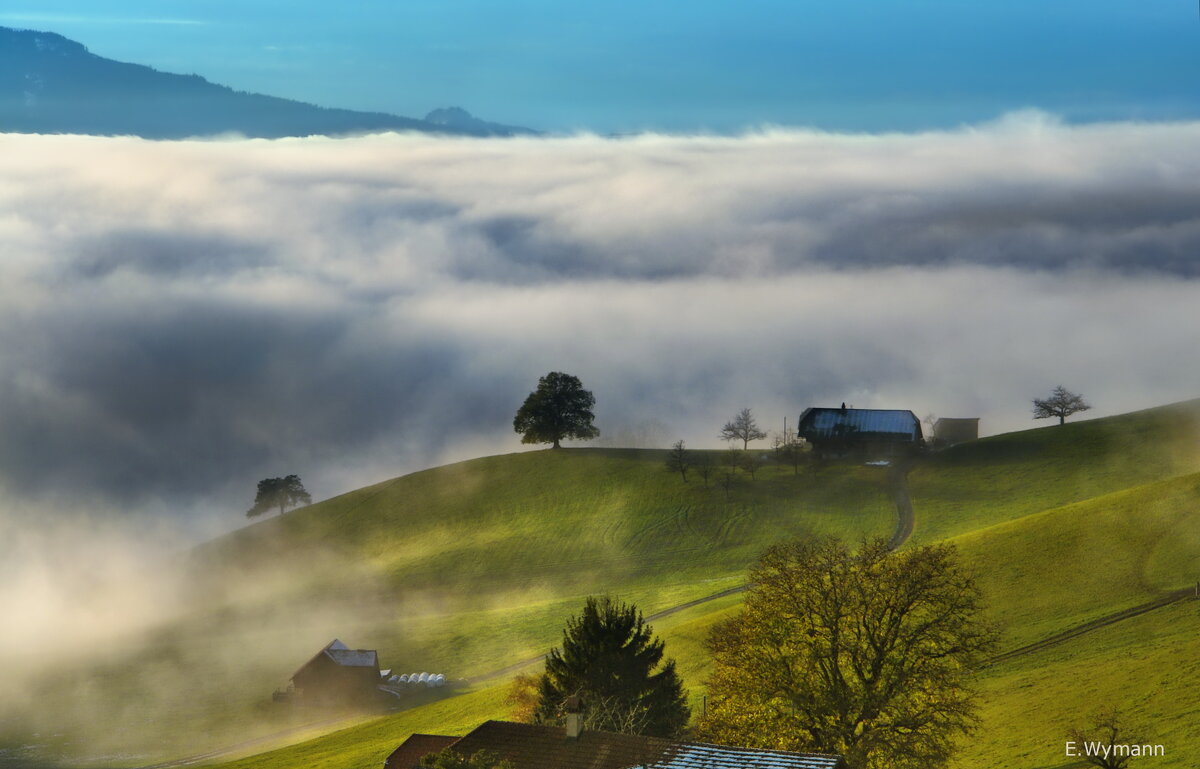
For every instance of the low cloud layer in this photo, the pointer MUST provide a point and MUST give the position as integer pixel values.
(179, 320)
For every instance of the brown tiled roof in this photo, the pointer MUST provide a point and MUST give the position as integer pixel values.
(415, 747)
(529, 746)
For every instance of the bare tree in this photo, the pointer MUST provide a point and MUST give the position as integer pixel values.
(705, 467)
(1062, 403)
(679, 460)
(1108, 743)
(750, 463)
(790, 451)
(730, 463)
(742, 428)
(726, 482)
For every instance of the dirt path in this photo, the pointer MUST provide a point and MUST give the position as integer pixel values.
(1174, 596)
(906, 519)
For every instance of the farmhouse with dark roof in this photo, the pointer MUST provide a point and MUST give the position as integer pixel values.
(860, 433)
(530, 746)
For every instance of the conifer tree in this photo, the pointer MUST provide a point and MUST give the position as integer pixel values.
(609, 659)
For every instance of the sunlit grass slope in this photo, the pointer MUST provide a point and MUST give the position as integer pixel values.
(1000, 478)
(1149, 666)
(481, 561)
(461, 570)
(367, 745)
(1062, 567)
(1062, 525)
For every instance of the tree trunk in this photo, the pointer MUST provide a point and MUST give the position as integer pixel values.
(556, 446)
(1062, 419)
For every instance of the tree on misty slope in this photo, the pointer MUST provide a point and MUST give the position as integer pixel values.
(742, 428)
(559, 408)
(608, 659)
(279, 492)
(1062, 403)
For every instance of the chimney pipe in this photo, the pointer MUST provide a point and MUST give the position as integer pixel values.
(574, 717)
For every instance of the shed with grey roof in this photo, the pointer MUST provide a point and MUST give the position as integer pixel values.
(338, 675)
(948, 432)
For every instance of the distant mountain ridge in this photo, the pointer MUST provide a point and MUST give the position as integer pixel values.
(51, 84)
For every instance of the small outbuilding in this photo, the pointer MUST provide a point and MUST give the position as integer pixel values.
(860, 433)
(338, 675)
(947, 432)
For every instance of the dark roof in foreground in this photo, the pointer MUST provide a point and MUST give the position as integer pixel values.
(842, 423)
(529, 746)
(415, 747)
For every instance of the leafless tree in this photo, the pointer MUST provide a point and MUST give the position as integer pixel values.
(750, 463)
(1062, 403)
(790, 451)
(1106, 742)
(704, 466)
(679, 460)
(742, 428)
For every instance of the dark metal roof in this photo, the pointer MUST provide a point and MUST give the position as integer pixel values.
(344, 656)
(529, 746)
(416, 747)
(820, 423)
(354, 658)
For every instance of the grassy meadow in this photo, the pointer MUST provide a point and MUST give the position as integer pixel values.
(468, 568)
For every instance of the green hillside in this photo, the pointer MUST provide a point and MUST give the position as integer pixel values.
(468, 568)
(1008, 476)
(461, 570)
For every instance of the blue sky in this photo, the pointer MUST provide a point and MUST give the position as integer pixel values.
(620, 66)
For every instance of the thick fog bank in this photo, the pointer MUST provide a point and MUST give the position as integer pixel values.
(181, 319)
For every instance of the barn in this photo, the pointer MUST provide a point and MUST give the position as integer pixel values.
(338, 675)
(947, 431)
(860, 433)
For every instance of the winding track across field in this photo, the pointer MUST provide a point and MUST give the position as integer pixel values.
(1167, 599)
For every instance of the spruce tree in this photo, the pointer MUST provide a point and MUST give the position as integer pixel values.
(608, 658)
